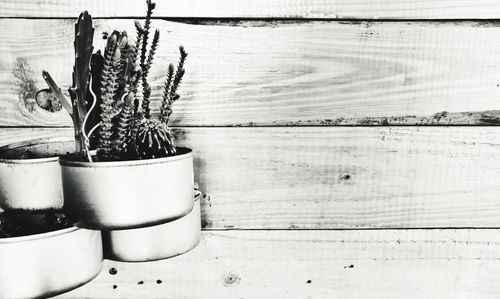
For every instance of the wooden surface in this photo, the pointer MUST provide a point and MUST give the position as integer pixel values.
(330, 9)
(275, 73)
(327, 177)
(305, 116)
(337, 264)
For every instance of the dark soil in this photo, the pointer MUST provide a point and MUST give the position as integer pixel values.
(35, 152)
(27, 154)
(25, 223)
(75, 157)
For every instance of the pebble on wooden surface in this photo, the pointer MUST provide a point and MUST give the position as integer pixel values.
(343, 178)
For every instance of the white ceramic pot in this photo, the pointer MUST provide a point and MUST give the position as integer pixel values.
(48, 264)
(155, 242)
(128, 194)
(32, 183)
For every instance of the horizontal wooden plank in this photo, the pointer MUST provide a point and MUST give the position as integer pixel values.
(315, 264)
(280, 73)
(328, 177)
(365, 9)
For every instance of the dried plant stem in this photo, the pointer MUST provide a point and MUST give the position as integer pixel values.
(57, 92)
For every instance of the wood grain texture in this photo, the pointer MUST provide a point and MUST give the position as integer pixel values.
(315, 264)
(364, 9)
(280, 73)
(328, 177)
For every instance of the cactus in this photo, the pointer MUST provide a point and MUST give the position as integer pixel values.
(93, 118)
(165, 102)
(154, 140)
(109, 87)
(170, 89)
(149, 61)
(145, 32)
(109, 114)
(124, 123)
(84, 35)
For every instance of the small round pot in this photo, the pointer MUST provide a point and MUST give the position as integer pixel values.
(128, 194)
(155, 242)
(48, 264)
(32, 183)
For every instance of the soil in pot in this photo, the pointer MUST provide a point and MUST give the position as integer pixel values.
(42, 254)
(77, 157)
(23, 223)
(37, 149)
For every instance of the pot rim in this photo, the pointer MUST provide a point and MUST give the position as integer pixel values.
(34, 237)
(197, 197)
(30, 142)
(29, 161)
(63, 161)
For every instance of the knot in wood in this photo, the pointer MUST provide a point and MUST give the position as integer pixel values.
(231, 280)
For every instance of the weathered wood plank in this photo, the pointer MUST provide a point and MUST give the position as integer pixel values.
(279, 73)
(328, 177)
(365, 9)
(315, 264)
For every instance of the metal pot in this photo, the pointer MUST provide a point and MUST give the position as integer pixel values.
(34, 182)
(128, 194)
(48, 264)
(155, 242)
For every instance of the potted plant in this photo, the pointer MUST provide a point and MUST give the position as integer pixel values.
(42, 254)
(30, 176)
(158, 241)
(126, 171)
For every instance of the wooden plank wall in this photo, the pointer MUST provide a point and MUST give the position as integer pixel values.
(314, 9)
(306, 117)
(275, 73)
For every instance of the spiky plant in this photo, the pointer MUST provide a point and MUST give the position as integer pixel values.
(172, 82)
(111, 94)
(154, 139)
